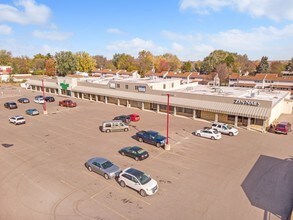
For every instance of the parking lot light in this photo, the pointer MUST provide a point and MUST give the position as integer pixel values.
(44, 105)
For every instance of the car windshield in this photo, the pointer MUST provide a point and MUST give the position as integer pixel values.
(215, 132)
(141, 151)
(143, 179)
(229, 127)
(106, 165)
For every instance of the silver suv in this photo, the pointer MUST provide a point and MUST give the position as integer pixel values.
(17, 120)
(225, 129)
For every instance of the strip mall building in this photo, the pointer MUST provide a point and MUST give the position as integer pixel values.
(245, 107)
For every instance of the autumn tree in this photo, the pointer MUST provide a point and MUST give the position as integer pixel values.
(21, 65)
(215, 58)
(161, 64)
(289, 66)
(277, 67)
(223, 72)
(263, 66)
(85, 63)
(50, 67)
(145, 61)
(66, 63)
(5, 58)
(101, 61)
(243, 65)
(173, 61)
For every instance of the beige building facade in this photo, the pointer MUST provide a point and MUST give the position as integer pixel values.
(243, 107)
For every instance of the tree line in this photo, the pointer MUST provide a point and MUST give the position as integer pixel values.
(67, 62)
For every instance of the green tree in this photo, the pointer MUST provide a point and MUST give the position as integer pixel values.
(38, 64)
(85, 63)
(145, 61)
(289, 66)
(50, 67)
(124, 62)
(66, 63)
(263, 66)
(5, 58)
(187, 66)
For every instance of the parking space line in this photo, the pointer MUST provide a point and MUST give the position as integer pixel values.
(112, 210)
(118, 188)
(68, 184)
(98, 193)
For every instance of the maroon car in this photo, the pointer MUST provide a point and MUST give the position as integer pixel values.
(283, 128)
(67, 103)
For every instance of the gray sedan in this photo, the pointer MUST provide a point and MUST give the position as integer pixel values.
(103, 167)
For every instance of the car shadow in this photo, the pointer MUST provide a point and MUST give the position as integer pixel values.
(7, 145)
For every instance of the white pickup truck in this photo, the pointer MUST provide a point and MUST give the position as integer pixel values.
(225, 129)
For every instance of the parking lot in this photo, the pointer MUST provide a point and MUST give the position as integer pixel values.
(43, 176)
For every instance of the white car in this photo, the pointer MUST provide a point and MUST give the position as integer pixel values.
(17, 120)
(225, 129)
(39, 100)
(208, 133)
(138, 181)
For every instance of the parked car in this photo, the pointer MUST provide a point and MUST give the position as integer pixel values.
(151, 137)
(10, 105)
(283, 128)
(124, 118)
(39, 100)
(67, 103)
(138, 181)
(134, 117)
(225, 129)
(116, 125)
(134, 152)
(103, 167)
(23, 100)
(32, 112)
(49, 99)
(17, 120)
(208, 133)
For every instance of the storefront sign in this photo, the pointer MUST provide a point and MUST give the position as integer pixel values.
(246, 102)
(64, 85)
(141, 88)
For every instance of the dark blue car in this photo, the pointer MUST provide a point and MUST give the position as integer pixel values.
(151, 137)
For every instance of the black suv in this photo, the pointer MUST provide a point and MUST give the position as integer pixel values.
(124, 118)
(49, 99)
(10, 105)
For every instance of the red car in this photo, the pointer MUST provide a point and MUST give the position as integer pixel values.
(67, 103)
(283, 128)
(134, 117)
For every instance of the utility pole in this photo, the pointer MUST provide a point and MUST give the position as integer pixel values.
(44, 105)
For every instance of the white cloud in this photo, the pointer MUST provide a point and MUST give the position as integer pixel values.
(273, 9)
(178, 36)
(134, 46)
(4, 29)
(51, 35)
(177, 47)
(25, 12)
(114, 31)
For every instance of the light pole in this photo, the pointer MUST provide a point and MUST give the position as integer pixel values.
(167, 145)
(44, 105)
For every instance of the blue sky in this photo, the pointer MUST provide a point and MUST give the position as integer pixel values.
(190, 29)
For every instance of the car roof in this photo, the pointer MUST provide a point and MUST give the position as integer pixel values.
(17, 116)
(98, 160)
(134, 172)
(284, 123)
(152, 132)
(136, 148)
(113, 121)
(32, 109)
(10, 102)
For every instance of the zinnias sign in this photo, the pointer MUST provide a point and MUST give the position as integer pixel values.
(246, 102)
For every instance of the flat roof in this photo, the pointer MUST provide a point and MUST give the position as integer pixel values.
(237, 92)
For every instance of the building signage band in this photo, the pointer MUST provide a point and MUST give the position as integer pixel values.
(246, 102)
(141, 88)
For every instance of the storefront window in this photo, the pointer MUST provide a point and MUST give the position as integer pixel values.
(231, 117)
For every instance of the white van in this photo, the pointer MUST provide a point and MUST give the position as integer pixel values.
(224, 128)
(116, 125)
